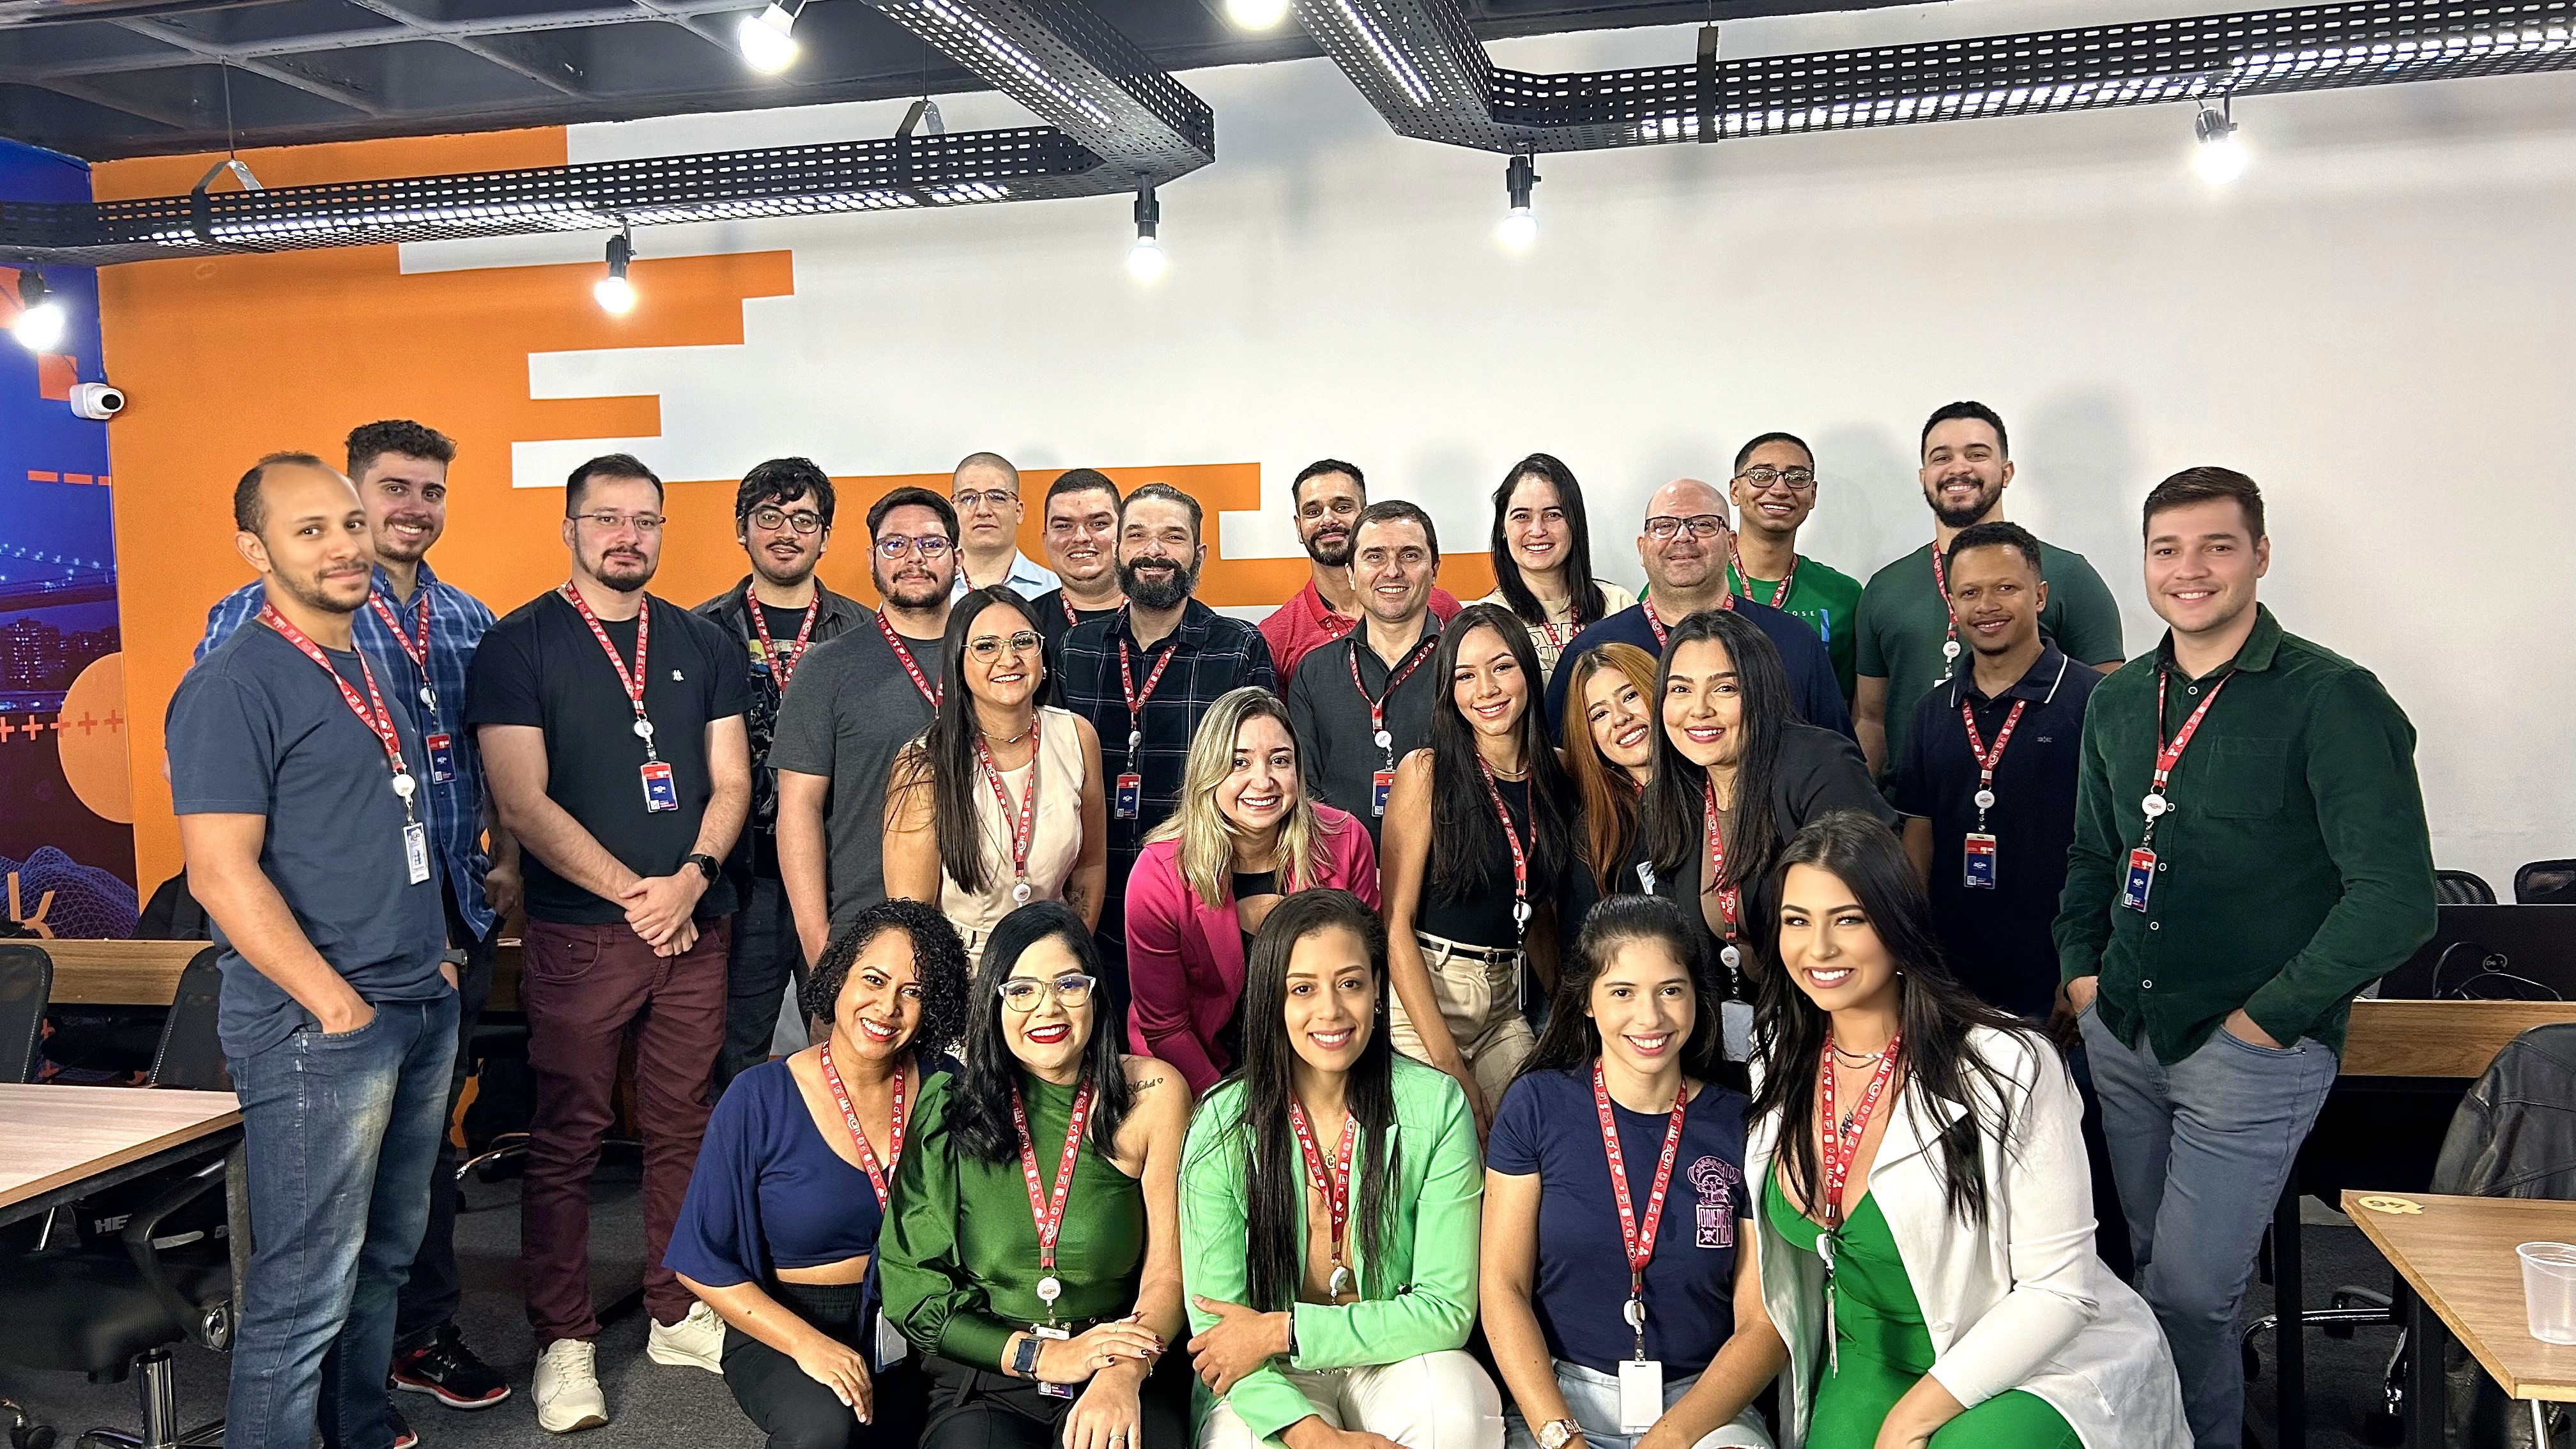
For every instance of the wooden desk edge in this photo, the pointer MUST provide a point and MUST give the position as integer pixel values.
(2370, 1222)
(176, 1137)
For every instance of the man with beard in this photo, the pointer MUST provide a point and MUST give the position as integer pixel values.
(985, 490)
(419, 635)
(1082, 547)
(1329, 495)
(1360, 706)
(1906, 639)
(298, 791)
(782, 517)
(1144, 677)
(612, 724)
(858, 700)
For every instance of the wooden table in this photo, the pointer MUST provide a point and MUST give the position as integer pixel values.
(118, 973)
(2456, 1257)
(58, 1143)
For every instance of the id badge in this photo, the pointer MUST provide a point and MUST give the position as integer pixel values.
(892, 1346)
(442, 759)
(1131, 795)
(659, 792)
(2142, 874)
(1735, 1029)
(1055, 1391)
(1641, 1394)
(416, 852)
(1380, 784)
(1978, 863)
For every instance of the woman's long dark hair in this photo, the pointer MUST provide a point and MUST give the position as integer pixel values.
(1573, 1039)
(979, 1110)
(1669, 815)
(1274, 1172)
(1583, 593)
(945, 758)
(1462, 816)
(1934, 1017)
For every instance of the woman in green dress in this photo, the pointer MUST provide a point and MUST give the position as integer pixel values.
(1925, 1224)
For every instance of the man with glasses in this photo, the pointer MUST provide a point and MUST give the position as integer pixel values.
(612, 726)
(1328, 495)
(1082, 545)
(1774, 489)
(1684, 549)
(782, 517)
(858, 700)
(985, 490)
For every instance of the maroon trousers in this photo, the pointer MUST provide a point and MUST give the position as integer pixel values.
(583, 989)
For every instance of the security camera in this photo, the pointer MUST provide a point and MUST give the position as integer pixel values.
(97, 401)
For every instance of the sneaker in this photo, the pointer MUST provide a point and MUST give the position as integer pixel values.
(567, 1388)
(404, 1436)
(696, 1341)
(446, 1369)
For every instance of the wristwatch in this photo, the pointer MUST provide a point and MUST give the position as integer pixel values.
(704, 862)
(1557, 1433)
(1024, 1359)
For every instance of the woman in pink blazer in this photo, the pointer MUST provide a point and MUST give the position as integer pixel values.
(1245, 835)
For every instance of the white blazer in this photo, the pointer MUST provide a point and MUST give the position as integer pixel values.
(2021, 1303)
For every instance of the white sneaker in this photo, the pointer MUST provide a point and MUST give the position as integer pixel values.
(696, 1341)
(567, 1388)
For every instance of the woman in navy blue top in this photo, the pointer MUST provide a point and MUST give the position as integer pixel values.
(779, 1231)
(1588, 1290)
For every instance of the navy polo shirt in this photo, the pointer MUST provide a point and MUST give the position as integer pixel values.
(1998, 941)
(1813, 690)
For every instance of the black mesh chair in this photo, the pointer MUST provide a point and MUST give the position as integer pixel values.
(2545, 883)
(26, 986)
(2462, 888)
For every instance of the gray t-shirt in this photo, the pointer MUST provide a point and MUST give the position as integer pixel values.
(852, 707)
(256, 729)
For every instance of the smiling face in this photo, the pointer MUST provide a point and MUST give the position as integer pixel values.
(313, 540)
(1831, 950)
(1997, 596)
(1775, 508)
(1392, 567)
(912, 580)
(1328, 508)
(1685, 561)
(1535, 526)
(1049, 1038)
(1158, 553)
(1082, 535)
(2202, 564)
(1703, 705)
(1643, 1006)
(778, 552)
(1257, 790)
(1488, 686)
(1964, 470)
(1008, 675)
(406, 500)
(880, 1005)
(1623, 728)
(1332, 998)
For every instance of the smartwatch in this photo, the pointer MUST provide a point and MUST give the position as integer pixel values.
(1557, 1433)
(1024, 1359)
(704, 862)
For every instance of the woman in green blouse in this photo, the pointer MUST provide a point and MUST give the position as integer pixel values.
(1034, 1252)
(1329, 1213)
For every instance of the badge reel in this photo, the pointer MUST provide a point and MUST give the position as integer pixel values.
(1735, 1018)
(1382, 782)
(1641, 1379)
(1049, 1290)
(415, 834)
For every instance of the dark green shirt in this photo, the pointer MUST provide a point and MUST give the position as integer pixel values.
(960, 1259)
(2293, 869)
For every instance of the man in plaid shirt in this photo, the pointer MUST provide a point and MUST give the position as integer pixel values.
(1144, 676)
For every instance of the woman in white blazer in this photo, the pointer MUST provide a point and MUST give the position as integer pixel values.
(1963, 1305)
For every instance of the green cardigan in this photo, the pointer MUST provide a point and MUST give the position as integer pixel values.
(1420, 1299)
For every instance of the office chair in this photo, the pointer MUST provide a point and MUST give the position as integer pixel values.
(2545, 883)
(26, 987)
(2462, 888)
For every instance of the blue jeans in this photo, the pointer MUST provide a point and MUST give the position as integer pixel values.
(2202, 1149)
(341, 1131)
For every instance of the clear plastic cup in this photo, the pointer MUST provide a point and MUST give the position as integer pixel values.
(2549, 1290)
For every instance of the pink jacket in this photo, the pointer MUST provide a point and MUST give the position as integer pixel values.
(1185, 962)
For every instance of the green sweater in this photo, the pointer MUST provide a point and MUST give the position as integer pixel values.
(2294, 868)
(1420, 1299)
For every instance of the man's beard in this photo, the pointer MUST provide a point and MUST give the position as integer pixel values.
(1158, 594)
(1962, 517)
(624, 574)
(763, 564)
(914, 593)
(313, 593)
(389, 544)
(1340, 557)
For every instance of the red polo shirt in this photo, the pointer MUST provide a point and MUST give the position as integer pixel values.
(1306, 621)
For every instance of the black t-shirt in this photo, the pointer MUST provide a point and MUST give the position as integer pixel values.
(540, 666)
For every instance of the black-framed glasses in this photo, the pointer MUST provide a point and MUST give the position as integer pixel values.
(929, 545)
(608, 522)
(995, 499)
(773, 518)
(1701, 525)
(1796, 480)
(1023, 993)
(987, 645)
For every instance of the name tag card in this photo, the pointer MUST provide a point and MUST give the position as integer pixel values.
(2142, 875)
(1380, 785)
(1131, 795)
(1977, 863)
(416, 852)
(442, 759)
(1641, 1394)
(660, 792)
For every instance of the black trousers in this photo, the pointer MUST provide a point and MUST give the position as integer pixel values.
(973, 1408)
(796, 1411)
(765, 952)
(427, 1302)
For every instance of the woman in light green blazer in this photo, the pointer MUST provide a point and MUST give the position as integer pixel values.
(1330, 1202)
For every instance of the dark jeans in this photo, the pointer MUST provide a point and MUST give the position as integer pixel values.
(584, 988)
(428, 1301)
(972, 1408)
(796, 1411)
(340, 1132)
(766, 952)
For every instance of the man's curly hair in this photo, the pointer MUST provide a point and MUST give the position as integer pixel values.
(938, 961)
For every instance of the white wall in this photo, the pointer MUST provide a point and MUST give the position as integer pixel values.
(2376, 322)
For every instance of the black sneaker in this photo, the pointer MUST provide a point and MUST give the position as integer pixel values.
(446, 1368)
(404, 1436)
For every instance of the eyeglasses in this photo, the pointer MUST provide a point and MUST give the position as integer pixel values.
(1701, 525)
(1022, 993)
(774, 519)
(986, 646)
(929, 545)
(611, 522)
(995, 499)
(1796, 480)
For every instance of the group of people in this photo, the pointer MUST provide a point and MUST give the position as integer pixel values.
(1283, 1033)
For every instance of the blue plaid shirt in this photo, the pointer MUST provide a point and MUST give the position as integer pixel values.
(456, 624)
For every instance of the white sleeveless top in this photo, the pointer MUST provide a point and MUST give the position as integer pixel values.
(1056, 842)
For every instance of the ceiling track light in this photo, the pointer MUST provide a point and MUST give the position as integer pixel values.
(765, 37)
(1145, 260)
(615, 294)
(2220, 156)
(42, 318)
(1256, 14)
(1519, 226)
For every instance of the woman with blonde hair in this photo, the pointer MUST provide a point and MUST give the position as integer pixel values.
(1244, 836)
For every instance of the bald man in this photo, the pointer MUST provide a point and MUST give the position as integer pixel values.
(1683, 547)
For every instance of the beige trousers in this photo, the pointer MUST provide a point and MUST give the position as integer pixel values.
(1480, 1004)
(1438, 1400)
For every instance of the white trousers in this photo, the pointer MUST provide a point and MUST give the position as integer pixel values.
(1592, 1397)
(1438, 1400)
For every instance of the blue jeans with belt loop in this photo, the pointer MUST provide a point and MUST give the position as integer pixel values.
(340, 1132)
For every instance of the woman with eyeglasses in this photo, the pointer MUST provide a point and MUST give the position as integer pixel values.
(1542, 550)
(1328, 1213)
(783, 1214)
(1245, 835)
(1479, 832)
(1735, 775)
(1617, 1228)
(1926, 1223)
(1000, 801)
(1609, 732)
(1034, 1256)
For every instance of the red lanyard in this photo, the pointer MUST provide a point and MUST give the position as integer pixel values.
(785, 664)
(1333, 1184)
(1136, 698)
(1520, 854)
(920, 681)
(1987, 759)
(1639, 1238)
(1730, 896)
(1779, 592)
(1655, 621)
(2168, 754)
(377, 719)
(417, 653)
(877, 1176)
(634, 679)
(1377, 707)
(1842, 1140)
(1024, 830)
(1949, 620)
(1555, 640)
(1049, 1211)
